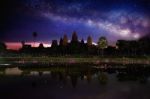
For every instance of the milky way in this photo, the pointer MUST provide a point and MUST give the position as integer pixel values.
(114, 19)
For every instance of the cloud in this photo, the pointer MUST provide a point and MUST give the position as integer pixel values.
(106, 25)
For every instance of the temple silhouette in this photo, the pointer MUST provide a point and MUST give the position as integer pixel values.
(140, 47)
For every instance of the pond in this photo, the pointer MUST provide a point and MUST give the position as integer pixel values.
(75, 82)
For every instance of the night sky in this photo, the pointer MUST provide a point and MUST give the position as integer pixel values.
(51, 19)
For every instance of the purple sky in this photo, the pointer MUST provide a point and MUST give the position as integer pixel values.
(51, 19)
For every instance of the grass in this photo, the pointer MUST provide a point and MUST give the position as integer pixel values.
(65, 59)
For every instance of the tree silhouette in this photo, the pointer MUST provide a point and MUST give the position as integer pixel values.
(103, 79)
(74, 79)
(121, 45)
(2, 47)
(102, 44)
(41, 45)
(34, 34)
(124, 47)
(144, 45)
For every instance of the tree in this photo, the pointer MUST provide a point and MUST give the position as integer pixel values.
(127, 47)
(41, 45)
(102, 44)
(2, 47)
(34, 34)
(144, 45)
(133, 45)
(122, 46)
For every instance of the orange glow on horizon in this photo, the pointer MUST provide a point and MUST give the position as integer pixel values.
(18, 45)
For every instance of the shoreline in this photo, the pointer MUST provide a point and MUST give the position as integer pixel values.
(73, 60)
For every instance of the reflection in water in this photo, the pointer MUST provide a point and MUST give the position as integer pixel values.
(74, 79)
(89, 76)
(1, 73)
(36, 73)
(5, 64)
(62, 79)
(126, 73)
(102, 77)
(81, 81)
(13, 71)
(46, 72)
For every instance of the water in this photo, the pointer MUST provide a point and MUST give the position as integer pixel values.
(75, 82)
